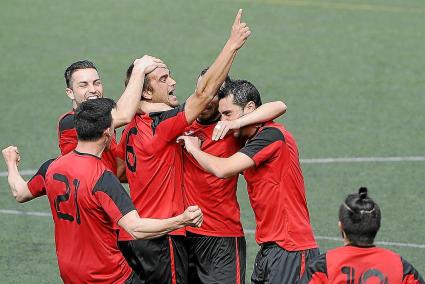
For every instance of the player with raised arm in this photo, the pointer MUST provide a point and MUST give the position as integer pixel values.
(154, 164)
(359, 260)
(217, 251)
(83, 83)
(270, 164)
(87, 202)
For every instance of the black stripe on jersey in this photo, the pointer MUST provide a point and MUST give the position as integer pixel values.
(158, 117)
(109, 184)
(408, 269)
(43, 169)
(67, 122)
(264, 138)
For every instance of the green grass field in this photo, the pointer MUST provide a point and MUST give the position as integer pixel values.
(351, 72)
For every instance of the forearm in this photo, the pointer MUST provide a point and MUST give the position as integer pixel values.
(212, 80)
(18, 186)
(128, 103)
(145, 228)
(264, 113)
(212, 164)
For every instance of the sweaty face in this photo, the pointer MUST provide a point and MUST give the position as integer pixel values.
(85, 85)
(163, 87)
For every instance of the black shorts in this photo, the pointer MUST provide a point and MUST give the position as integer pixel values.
(274, 264)
(160, 260)
(216, 259)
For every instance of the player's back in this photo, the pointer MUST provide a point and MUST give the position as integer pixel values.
(353, 264)
(276, 186)
(79, 190)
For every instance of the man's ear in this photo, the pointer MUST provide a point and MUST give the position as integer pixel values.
(249, 107)
(70, 93)
(147, 95)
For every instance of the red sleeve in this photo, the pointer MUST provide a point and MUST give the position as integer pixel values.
(316, 272)
(169, 125)
(112, 196)
(36, 184)
(264, 145)
(67, 135)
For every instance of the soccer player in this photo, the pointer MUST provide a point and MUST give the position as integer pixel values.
(83, 83)
(87, 201)
(270, 164)
(154, 165)
(217, 251)
(359, 260)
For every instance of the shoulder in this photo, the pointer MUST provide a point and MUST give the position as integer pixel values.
(66, 121)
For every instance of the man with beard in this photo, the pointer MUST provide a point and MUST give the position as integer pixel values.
(154, 165)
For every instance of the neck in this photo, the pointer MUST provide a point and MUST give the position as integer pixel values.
(95, 148)
(210, 120)
(249, 131)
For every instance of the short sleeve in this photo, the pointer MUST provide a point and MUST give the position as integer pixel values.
(120, 150)
(37, 184)
(410, 274)
(264, 145)
(112, 196)
(67, 134)
(170, 124)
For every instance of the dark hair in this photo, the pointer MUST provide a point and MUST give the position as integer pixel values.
(360, 217)
(83, 64)
(223, 86)
(243, 92)
(146, 82)
(92, 117)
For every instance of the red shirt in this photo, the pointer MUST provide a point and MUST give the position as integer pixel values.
(86, 201)
(154, 165)
(68, 140)
(350, 264)
(216, 197)
(276, 189)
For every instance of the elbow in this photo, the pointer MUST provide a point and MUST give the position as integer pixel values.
(20, 198)
(282, 107)
(222, 173)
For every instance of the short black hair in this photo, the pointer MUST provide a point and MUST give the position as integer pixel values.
(360, 217)
(146, 82)
(92, 118)
(82, 64)
(223, 86)
(243, 92)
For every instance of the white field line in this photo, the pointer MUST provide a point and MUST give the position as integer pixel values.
(247, 231)
(310, 161)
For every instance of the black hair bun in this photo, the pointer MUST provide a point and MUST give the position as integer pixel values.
(363, 192)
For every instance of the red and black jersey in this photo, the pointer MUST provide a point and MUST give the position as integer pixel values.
(154, 164)
(68, 140)
(276, 189)
(352, 265)
(216, 197)
(86, 201)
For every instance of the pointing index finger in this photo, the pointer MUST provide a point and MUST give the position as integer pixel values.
(238, 17)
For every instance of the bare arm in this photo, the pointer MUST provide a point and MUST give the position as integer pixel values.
(145, 228)
(147, 107)
(212, 80)
(128, 103)
(18, 186)
(121, 171)
(220, 167)
(264, 113)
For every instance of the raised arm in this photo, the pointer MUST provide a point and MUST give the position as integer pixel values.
(128, 103)
(18, 186)
(208, 86)
(263, 113)
(145, 228)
